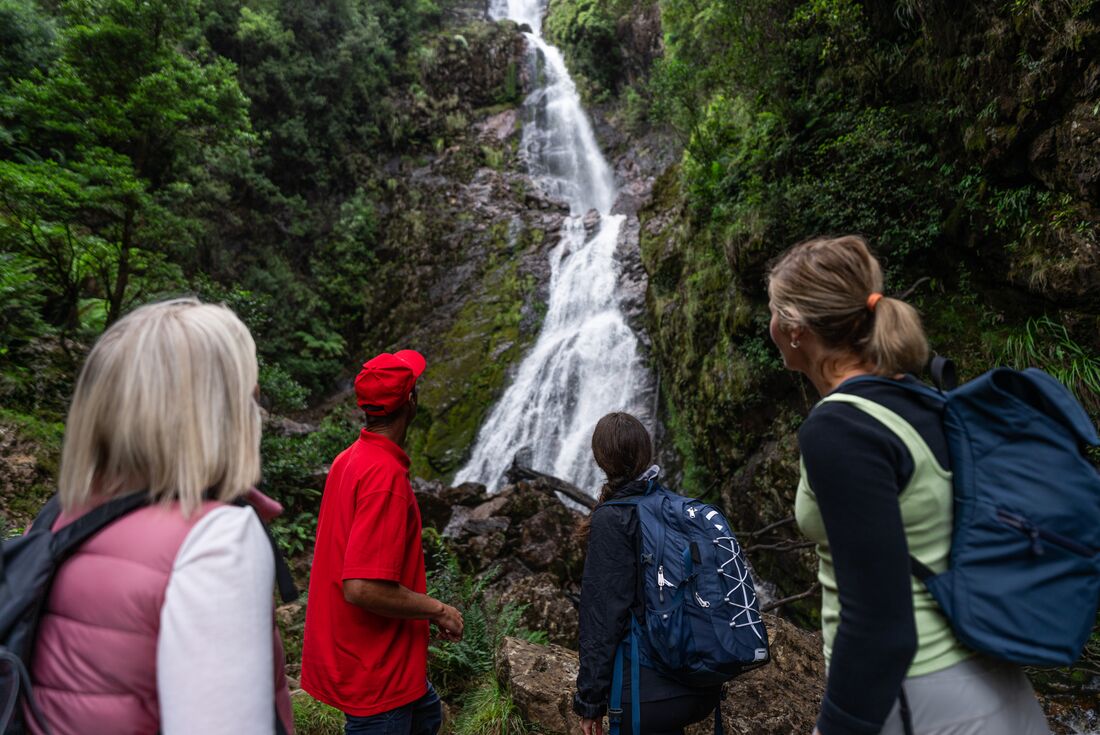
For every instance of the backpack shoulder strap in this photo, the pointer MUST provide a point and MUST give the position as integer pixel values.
(917, 388)
(909, 436)
(94, 521)
(632, 500)
(284, 580)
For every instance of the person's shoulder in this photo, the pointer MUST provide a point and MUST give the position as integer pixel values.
(612, 515)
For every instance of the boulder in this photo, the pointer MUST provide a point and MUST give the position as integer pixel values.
(547, 607)
(468, 494)
(778, 699)
(541, 680)
(547, 542)
(591, 222)
(435, 511)
(476, 541)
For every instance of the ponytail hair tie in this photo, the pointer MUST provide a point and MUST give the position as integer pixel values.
(873, 300)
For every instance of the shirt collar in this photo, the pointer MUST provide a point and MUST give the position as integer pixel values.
(386, 445)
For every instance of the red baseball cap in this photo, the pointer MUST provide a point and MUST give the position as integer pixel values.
(385, 382)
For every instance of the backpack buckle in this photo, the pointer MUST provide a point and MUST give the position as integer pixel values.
(614, 715)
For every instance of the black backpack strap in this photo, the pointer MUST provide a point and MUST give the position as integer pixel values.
(74, 534)
(284, 580)
(905, 712)
(20, 692)
(288, 591)
(919, 570)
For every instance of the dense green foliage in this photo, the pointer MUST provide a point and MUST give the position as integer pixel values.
(250, 153)
(209, 147)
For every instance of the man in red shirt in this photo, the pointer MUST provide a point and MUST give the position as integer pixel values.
(366, 635)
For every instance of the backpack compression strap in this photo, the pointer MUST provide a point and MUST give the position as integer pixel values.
(615, 706)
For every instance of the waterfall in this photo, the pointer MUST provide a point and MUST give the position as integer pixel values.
(585, 362)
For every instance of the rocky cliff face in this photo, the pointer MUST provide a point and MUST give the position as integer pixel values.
(466, 237)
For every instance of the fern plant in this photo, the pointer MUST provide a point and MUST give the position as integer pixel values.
(1046, 344)
(455, 667)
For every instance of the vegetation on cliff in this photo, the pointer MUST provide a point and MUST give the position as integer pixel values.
(262, 154)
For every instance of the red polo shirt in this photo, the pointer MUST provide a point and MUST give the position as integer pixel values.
(369, 528)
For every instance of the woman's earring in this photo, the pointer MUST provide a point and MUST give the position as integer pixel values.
(795, 343)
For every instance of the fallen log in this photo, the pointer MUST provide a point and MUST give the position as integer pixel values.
(521, 470)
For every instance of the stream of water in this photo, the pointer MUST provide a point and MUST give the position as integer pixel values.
(585, 361)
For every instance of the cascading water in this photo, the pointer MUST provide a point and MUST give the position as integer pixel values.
(585, 362)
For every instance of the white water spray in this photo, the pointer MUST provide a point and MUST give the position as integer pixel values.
(585, 362)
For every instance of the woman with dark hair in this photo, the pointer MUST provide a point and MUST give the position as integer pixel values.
(610, 593)
(875, 489)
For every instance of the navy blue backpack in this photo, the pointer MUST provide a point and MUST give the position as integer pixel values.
(1023, 577)
(702, 622)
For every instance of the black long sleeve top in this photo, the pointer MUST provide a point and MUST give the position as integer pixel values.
(609, 596)
(857, 468)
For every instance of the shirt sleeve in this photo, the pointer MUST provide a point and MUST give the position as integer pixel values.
(376, 545)
(852, 461)
(215, 663)
(607, 592)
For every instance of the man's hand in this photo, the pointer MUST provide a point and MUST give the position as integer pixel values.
(592, 727)
(390, 599)
(449, 621)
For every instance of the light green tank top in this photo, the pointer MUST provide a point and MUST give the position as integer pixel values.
(927, 514)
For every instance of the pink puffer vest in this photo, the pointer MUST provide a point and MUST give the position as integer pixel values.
(94, 668)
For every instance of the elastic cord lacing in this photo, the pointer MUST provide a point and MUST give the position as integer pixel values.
(740, 587)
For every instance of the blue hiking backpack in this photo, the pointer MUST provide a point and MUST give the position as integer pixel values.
(702, 622)
(1023, 577)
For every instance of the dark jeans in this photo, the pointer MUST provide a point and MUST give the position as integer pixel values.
(422, 717)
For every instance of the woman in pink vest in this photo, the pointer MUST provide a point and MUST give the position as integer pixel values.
(163, 621)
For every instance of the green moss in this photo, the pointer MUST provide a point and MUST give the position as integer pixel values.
(41, 439)
(474, 357)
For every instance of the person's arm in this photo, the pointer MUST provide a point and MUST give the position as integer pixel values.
(852, 462)
(373, 562)
(215, 664)
(608, 589)
(391, 600)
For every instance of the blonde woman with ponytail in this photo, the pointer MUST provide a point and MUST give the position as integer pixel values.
(876, 487)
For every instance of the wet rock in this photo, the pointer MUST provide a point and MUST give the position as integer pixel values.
(435, 511)
(633, 280)
(547, 607)
(499, 127)
(547, 542)
(780, 698)
(478, 542)
(591, 222)
(468, 494)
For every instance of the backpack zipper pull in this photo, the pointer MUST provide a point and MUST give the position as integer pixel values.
(661, 582)
(1036, 541)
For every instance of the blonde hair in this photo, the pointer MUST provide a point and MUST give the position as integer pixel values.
(165, 402)
(824, 284)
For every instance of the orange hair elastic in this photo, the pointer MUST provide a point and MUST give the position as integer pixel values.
(873, 300)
